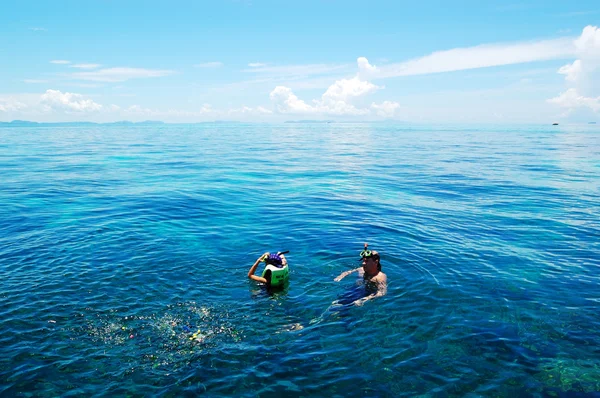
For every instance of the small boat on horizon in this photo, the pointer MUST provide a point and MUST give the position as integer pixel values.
(555, 124)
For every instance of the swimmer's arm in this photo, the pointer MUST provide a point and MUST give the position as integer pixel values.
(253, 269)
(346, 273)
(381, 291)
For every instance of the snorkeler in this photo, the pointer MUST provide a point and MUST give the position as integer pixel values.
(375, 280)
(276, 269)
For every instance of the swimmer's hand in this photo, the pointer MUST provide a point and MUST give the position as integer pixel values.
(360, 302)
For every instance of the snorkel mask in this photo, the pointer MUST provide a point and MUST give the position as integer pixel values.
(366, 252)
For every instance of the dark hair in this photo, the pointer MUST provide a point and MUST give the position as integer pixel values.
(377, 258)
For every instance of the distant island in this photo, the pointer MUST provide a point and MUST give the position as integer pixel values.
(591, 122)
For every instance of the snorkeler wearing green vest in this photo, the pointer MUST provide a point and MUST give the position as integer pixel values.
(276, 270)
(375, 280)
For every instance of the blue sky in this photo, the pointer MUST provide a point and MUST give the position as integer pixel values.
(253, 60)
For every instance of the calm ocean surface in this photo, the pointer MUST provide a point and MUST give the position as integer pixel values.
(117, 243)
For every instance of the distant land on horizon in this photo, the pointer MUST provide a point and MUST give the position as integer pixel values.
(27, 123)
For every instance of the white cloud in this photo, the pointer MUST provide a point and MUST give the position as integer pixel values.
(86, 66)
(337, 99)
(572, 71)
(60, 62)
(365, 69)
(34, 81)
(55, 99)
(11, 104)
(588, 44)
(347, 89)
(386, 108)
(481, 56)
(206, 112)
(120, 74)
(256, 64)
(285, 101)
(38, 29)
(209, 65)
(583, 75)
(571, 99)
(54, 105)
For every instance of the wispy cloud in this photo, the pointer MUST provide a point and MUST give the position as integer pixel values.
(86, 85)
(338, 98)
(34, 81)
(256, 64)
(120, 74)
(215, 64)
(60, 62)
(297, 70)
(482, 56)
(38, 29)
(85, 66)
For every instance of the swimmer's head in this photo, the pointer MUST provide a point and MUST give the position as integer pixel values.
(366, 253)
(370, 257)
(274, 259)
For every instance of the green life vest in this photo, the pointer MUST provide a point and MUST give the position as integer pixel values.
(279, 276)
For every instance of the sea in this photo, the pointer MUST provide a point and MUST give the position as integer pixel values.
(125, 251)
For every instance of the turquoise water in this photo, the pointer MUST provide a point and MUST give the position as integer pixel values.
(117, 243)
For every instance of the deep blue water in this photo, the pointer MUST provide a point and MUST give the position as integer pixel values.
(117, 243)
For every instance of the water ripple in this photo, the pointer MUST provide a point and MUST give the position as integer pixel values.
(124, 253)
